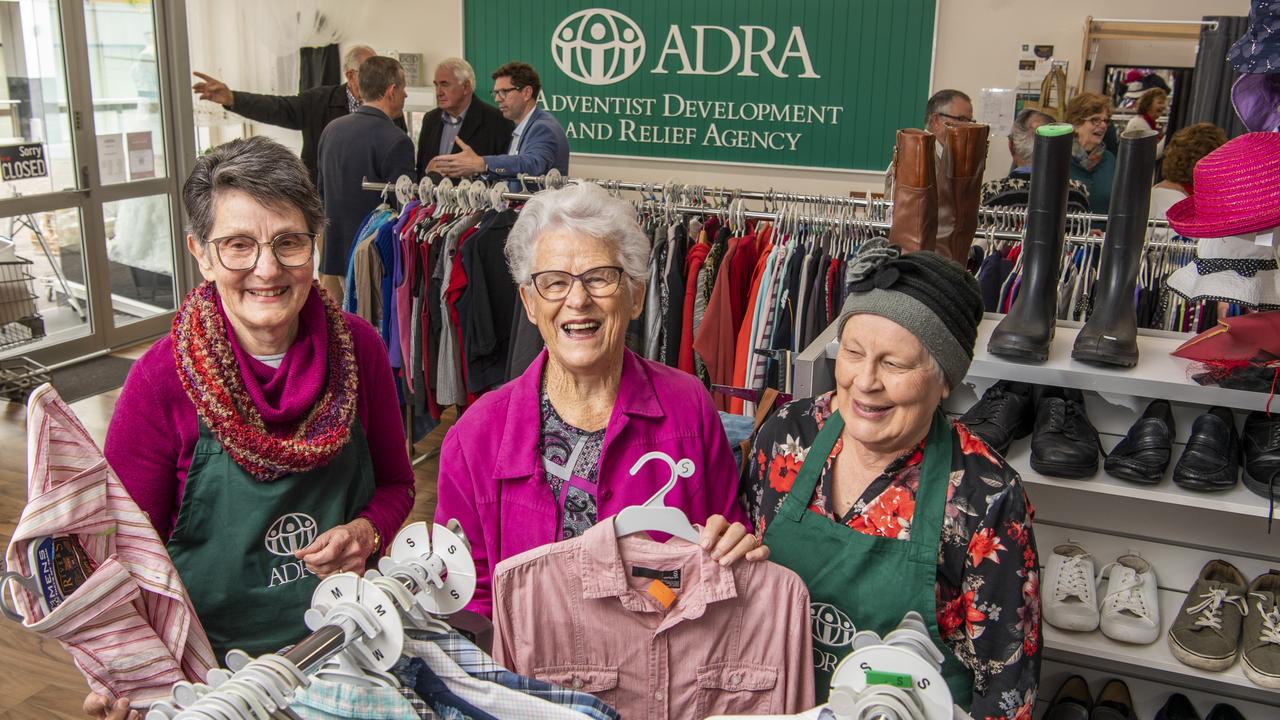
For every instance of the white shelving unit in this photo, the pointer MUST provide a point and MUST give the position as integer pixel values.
(1176, 530)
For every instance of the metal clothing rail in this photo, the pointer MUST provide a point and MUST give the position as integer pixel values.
(989, 232)
(1005, 215)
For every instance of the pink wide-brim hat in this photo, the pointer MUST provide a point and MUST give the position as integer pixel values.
(1235, 190)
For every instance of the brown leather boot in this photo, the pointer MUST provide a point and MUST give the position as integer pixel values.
(964, 158)
(915, 193)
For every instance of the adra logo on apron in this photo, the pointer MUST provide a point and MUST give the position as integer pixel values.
(831, 628)
(287, 535)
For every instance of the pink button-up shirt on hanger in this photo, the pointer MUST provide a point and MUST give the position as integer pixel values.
(709, 641)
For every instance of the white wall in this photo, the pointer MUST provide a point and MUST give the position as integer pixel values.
(977, 45)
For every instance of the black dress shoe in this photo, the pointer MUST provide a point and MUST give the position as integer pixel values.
(1004, 413)
(1144, 453)
(1063, 443)
(1114, 703)
(1262, 454)
(1073, 701)
(1211, 460)
(1223, 711)
(1177, 707)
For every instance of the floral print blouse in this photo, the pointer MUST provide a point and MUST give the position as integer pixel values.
(988, 587)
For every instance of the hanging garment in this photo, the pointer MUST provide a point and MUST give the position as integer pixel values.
(131, 628)
(332, 700)
(653, 294)
(432, 688)
(488, 303)
(578, 614)
(479, 665)
(850, 594)
(492, 688)
(674, 295)
(694, 262)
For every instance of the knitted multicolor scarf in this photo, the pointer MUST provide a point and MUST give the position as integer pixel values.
(210, 374)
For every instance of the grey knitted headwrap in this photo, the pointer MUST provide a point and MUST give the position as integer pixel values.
(934, 298)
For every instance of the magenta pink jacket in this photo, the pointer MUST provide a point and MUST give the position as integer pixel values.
(491, 477)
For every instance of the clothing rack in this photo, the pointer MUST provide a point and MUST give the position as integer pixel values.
(1004, 223)
(347, 625)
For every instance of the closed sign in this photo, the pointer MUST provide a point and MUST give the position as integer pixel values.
(21, 162)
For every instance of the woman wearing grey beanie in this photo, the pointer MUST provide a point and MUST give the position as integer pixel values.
(883, 505)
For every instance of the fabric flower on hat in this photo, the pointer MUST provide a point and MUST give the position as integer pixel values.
(868, 268)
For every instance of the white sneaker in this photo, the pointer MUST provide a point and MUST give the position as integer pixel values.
(1131, 605)
(1069, 600)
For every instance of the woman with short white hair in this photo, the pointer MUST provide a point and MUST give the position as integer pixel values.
(548, 455)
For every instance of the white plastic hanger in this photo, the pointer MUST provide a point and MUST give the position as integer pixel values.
(653, 515)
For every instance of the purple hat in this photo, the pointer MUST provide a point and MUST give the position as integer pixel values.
(1257, 101)
(1258, 50)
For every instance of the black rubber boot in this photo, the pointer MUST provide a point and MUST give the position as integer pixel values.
(1025, 333)
(1110, 336)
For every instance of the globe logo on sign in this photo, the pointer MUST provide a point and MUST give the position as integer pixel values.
(598, 46)
(290, 533)
(831, 627)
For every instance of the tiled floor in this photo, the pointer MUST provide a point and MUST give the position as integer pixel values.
(37, 678)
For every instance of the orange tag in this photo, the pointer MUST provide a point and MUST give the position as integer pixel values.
(662, 594)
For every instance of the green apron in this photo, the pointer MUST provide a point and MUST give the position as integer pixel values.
(862, 582)
(234, 539)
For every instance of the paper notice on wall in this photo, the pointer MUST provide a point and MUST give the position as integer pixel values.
(1034, 63)
(995, 108)
(142, 156)
(112, 164)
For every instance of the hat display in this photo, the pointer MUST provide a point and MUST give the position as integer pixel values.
(1235, 190)
(1231, 269)
(1257, 101)
(1258, 50)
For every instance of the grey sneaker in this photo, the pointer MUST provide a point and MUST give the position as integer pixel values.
(1260, 647)
(1206, 631)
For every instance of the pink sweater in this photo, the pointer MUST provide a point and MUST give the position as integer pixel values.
(154, 429)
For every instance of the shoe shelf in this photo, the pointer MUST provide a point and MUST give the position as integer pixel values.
(1154, 661)
(1157, 374)
(1148, 696)
(1238, 500)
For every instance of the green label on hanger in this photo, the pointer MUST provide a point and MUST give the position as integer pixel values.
(899, 680)
(807, 83)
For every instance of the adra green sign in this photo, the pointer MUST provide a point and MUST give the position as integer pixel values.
(808, 83)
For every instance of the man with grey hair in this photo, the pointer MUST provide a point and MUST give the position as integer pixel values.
(363, 145)
(309, 111)
(1015, 189)
(460, 115)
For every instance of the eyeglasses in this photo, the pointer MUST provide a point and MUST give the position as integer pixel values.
(502, 93)
(957, 118)
(240, 252)
(598, 282)
(1097, 120)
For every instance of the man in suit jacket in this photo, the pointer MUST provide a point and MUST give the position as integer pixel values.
(459, 114)
(364, 144)
(309, 111)
(537, 144)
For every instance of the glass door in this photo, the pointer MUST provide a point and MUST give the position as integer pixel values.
(88, 189)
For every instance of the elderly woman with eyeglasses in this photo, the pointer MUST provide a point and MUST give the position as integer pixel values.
(1091, 162)
(262, 435)
(549, 454)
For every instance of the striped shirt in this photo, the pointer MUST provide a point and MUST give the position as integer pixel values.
(130, 628)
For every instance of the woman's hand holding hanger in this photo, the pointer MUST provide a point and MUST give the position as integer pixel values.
(730, 542)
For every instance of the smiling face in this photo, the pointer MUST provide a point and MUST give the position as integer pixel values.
(584, 335)
(886, 386)
(262, 303)
(1090, 131)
